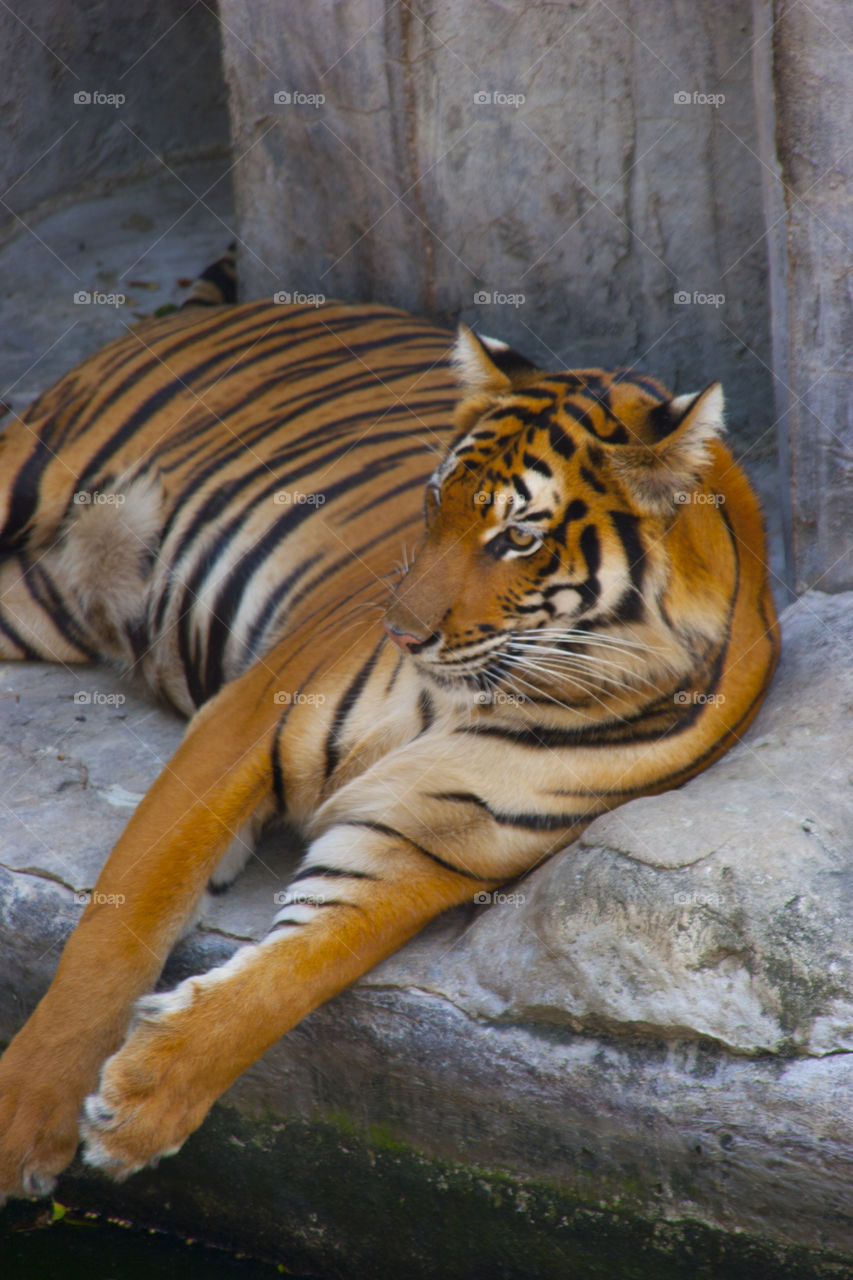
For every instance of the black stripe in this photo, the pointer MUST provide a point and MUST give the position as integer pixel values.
(398, 835)
(528, 821)
(536, 464)
(590, 545)
(278, 783)
(346, 704)
(386, 495)
(25, 495)
(426, 709)
(561, 443)
(521, 488)
(11, 634)
(320, 869)
(252, 645)
(592, 479)
(157, 353)
(317, 436)
(347, 560)
(41, 588)
(576, 510)
(627, 527)
(239, 576)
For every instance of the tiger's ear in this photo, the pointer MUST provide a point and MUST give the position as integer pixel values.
(475, 368)
(671, 464)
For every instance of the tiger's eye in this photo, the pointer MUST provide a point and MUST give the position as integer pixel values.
(520, 538)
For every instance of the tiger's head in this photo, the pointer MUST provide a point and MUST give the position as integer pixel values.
(575, 551)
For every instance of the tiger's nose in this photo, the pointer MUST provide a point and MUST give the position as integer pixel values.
(404, 639)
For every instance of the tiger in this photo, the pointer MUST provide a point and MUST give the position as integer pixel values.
(217, 503)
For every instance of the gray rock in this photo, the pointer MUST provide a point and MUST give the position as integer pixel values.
(657, 1021)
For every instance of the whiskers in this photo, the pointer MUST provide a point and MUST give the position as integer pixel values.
(542, 665)
(402, 566)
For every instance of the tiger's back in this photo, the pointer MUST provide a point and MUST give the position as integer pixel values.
(211, 480)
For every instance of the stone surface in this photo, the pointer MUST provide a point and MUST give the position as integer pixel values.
(657, 1022)
(581, 211)
(163, 63)
(131, 245)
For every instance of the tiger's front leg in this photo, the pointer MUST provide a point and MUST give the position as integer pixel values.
(189, 1045)
(158, 870)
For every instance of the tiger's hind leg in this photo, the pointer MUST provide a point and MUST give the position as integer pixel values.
(81, 597)
(37, 619)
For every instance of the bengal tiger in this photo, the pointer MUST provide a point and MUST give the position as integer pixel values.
(217, 503)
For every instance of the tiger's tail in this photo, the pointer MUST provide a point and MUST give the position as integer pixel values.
(217, 284)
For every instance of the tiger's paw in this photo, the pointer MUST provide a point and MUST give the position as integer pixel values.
(38, 1125)
(148, 1102)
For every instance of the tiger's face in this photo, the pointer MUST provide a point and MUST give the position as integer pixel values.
(545, 557)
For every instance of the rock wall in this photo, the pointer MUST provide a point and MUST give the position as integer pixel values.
(94, 92)
(580, 180)
(810, 224)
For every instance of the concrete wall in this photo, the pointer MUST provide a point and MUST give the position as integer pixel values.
(599, 197)
(161, 56)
